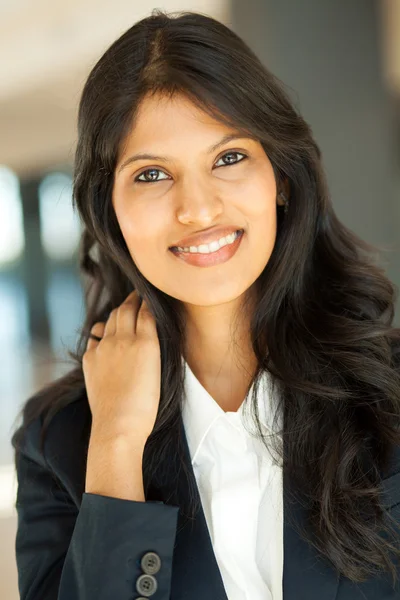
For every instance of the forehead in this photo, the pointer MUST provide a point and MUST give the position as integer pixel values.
(160, 118)
(176, 107)
(171, 127)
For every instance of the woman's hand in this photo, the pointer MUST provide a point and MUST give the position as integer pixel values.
(122, 372)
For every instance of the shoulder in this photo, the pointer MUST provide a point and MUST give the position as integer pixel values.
(65, 435)
(67, 425)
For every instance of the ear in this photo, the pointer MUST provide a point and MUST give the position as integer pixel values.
(285, 188)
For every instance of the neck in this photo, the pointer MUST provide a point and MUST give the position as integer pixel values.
(219, 353)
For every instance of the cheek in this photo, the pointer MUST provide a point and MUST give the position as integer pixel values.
(260, 207)
(263, 232)
(135, 221)
(257, 194)
(261, 211)
(142, 234)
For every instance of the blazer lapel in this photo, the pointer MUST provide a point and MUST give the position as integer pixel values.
(195, 571)
(195, 568)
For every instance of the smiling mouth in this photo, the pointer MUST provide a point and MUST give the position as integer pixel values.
(210, 259)
(238, 233)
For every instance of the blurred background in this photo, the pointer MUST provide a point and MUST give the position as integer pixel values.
(341, 64)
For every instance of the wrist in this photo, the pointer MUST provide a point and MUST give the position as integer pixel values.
(104, 434)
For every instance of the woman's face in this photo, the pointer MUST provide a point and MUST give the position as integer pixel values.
(189, 188)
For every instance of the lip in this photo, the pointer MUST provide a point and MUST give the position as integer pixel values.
(206, 237)
(214, 258)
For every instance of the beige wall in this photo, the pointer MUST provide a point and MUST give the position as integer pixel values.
(46, 51)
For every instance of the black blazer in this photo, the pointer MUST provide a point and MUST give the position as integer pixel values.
(71, 545)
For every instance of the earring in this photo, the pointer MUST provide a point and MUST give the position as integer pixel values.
(286, 202)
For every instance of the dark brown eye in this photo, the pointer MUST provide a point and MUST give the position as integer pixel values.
(229, 155)
(152, 177)
(153, 172)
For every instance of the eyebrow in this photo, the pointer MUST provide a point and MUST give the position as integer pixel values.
(145, 156)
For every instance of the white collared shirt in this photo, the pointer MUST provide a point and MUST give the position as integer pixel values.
(240, 490)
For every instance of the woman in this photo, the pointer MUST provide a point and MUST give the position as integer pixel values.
(220, 279)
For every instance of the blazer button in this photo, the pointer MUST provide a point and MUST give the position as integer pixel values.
(151, 563)
(146, 585)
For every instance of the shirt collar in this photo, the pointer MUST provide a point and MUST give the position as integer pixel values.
(200, 410)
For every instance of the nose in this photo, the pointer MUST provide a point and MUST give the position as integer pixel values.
(198, 202)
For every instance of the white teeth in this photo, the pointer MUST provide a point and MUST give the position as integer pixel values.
(212, 247)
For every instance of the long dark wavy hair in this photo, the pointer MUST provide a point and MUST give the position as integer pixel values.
(322, 324)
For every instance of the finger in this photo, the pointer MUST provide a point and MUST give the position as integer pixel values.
(111, 323)
(98, 331)
(145, 322)
(130, 297)
(127, 314)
